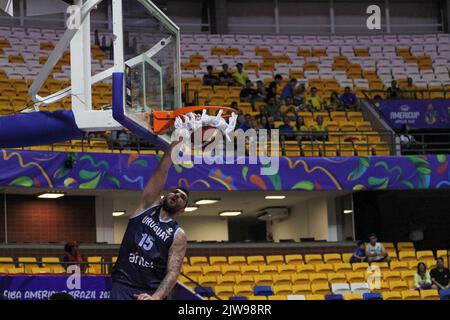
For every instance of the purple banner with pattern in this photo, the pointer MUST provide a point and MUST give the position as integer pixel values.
(131, 171)
(418, 114)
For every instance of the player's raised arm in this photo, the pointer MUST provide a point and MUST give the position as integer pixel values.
(155, 185)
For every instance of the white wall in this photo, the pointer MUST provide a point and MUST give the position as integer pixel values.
(204, 228)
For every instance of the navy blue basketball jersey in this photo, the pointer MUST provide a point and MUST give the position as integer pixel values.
(143, 255)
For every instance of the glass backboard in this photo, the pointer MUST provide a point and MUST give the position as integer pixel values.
(152, 62)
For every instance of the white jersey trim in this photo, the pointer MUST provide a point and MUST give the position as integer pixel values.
(139, 213)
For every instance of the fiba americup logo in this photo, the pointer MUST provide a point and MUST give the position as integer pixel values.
(404, 115)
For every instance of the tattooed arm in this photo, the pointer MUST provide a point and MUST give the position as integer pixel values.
(174, 264)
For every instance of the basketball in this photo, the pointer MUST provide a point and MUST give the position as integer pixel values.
(205, 136)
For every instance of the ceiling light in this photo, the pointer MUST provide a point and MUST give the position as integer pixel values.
(206, 201)
(190, 209)
(229, 213)
(118, 213)
(348, 211)
(51, 195)
(275, 197)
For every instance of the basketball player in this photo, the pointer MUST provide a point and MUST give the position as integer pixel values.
(153, 247)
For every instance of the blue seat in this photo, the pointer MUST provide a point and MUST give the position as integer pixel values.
(372, 296)
(206, 292)
(334, 297)
(445, 294)
(262, 291)
(238, 298)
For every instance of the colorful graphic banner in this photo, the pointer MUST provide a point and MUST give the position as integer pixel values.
(132, 171)
(418, 114)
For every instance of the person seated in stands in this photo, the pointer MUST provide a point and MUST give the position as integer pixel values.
(422, 279)
(320, 129)
(348, 99)
(301, 128)
(393, 92)
(410, 90)
(272, 109)
(375, 251)
(272, 89)
(209, 79)
(288, 108)
(440, 276)
(225, 78)
(248, 123)
(265, 123)
(248, 94)
(234, 105)
(73, 256)
(240, 119)
(286, 130)
(359, 255)
(240, 76)
(335, 102)
(314, 101)
(288, 90)
(261, 93)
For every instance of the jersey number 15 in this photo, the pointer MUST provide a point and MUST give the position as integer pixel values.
(146, 242)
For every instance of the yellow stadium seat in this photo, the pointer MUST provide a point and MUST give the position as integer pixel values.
(315, 297)
(320, 288)
(245, 280)
(256, 260)
(391, 295)
(407, 256)
(198, 261)
(429, 295)
(301, 289)
(7, 262)
(392, 253)
(382, 286)
(232, 270)
(398, 285)
(243, 290)
(3, 270)
(391, 276)
(191, 271)
(384, 266)
(219, 261)
(346, 257)
(324, 268)
(256, 298)
(224, 291)
(402, 246)
(286, 269)
(343, 267)
(353, 277)
(407, 275)
(277, 297)
(275, 260)
(353, 296)
(40, 270)
(399, 266)
(268, 269)
(15, 270)
(28, 265)
(360, 266)
(332, 258)
(338, 116)
(413, 264)
(94, 266)
(263, 280)
(282, 289)
(425, 255)
(226, 280)
(237, 260)
(410, 295)
(282, 279)
(318, 278)
(249, 270)
(293, 259)
(336, 278)
(207, 281)
(313, 258)
(213, 271)
(300, 278)
(185, 261)
(305, 268)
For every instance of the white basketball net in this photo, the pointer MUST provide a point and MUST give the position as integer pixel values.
(190, 122)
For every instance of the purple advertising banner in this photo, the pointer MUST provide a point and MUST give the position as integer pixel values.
(417, 114)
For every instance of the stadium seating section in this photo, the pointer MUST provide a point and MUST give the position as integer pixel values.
(279, 277)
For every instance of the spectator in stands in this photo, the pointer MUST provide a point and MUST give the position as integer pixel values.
(288, 108)
(61, 296)
(410, 90)
(240, 119)
(301, 128)
(248, 123)
(335, 102)
(348, 99)
(248, 94)
(73, 256)
(225, 78)
(265, 123)
(300, 93)
(240, 76)
(209, 79)
(272, 109)
(359, 255)
(422, 279)
(288, 90)
(314, 101)
(407, 141)
(286, 130)
(440, 276)
(261, 93)
(234, 105)
(393, 92)
(273, 87)
(375, 251)
(320, 129)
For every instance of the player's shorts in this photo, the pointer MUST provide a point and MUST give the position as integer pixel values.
(121, 291)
